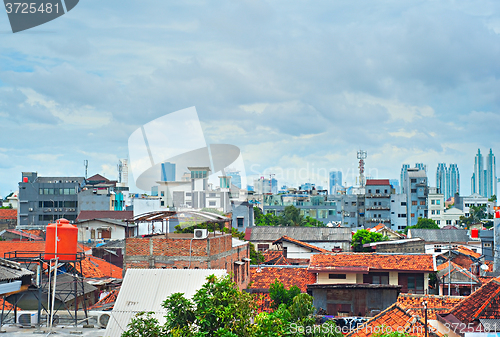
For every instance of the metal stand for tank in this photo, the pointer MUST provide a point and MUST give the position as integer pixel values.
(70, 265)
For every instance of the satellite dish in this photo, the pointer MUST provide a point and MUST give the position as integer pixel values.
(484, 267)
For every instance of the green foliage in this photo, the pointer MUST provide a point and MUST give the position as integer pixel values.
(493, 198)
(6, 207)
(256, 256)
(423, 223)
(280, 295)
(391, 334)
(362, 237)
(302, 307)
(289, 217)
(144, 325)
(476, 214)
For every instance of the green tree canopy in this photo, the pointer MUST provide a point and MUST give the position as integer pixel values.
(362, 237)
(289, 217)
(423, 223)
(280, 295)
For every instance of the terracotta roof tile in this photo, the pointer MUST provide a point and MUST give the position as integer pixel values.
(377, 182)
(94, 267)
(395, 318)
(106, 303)
(8, 306)
(372, 261)
(274, 257)
(22, 247)
(435, 304)
(483, 303)
(301, 243)
(468, 252)
(262, 277)
(6, 213)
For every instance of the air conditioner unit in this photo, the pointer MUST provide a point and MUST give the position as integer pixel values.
(60, 209)
(200, 233)
(31, 209)
(27, 318)
(49, 210)
(102, 318)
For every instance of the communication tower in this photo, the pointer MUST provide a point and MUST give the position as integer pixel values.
(362, 156)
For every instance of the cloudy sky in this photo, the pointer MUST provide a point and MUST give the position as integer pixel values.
(296, 85)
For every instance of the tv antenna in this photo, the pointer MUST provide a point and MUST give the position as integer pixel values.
(86, 164)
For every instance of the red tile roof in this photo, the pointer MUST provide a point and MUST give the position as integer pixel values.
(107, 302)
(377, 182)
(435, 304)
(23, 235)
(396, 319)
(262, 277)
(376, 228)
(484, 303)
(94, 267)
(301, 243)
(8, 306)
(371, 262)
(10, 214)
(37, 232)
(22, 247)
(468, 252)
(118, 215)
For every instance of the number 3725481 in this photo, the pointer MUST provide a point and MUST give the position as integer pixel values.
(27, 8)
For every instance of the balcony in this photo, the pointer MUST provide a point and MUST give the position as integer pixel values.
(377, 195)
(379, 220)
(378, 208)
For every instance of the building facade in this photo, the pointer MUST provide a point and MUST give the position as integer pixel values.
(377, 202)
(43, 200)
(416, 198)
(335, 182)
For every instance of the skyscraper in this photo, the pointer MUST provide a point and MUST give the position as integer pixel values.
(335, 181)
(491, 175)
(421, 166)
(235, 178)
(484, 181)
(452, 181)
(441, 179)
(167, 171)
(403, 176)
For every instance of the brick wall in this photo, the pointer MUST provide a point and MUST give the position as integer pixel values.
(214, 252)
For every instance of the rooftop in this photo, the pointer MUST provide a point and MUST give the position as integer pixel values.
(305, 234)
(10, 214)
(262, 277)
(435, 304)
(364, 262)
(377, 182)
(122, 215)
(440, 235)
(301, 244)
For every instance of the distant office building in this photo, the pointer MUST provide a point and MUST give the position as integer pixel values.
(377, 202)
(491, 175)
(43, 200)
(484, 181)
(335, 181)
(452, 181)
(235, 178)
(441, 174)
(265, 186)
(167, 171)
(421, 166)
(307, 187)
(395, 185)
(403, 176)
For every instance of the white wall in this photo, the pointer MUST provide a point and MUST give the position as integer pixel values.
(296, 252)
(85, 230)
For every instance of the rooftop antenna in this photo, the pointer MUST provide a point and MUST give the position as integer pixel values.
(362, 156)
(86, 164)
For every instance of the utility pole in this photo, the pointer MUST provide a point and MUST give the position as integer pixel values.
(86, 164)
(425, 317)
(449, 268)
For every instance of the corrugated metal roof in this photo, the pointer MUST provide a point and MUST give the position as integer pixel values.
(307, 234)
(440, 235)
(146, 289)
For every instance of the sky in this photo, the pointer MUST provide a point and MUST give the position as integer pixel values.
(298, 86)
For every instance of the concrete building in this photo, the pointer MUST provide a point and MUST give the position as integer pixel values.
(484, 179)
(235, 178)
(491, 175)
(42, 200)
(441, 179)
(265, 186)
(395, 185)
(377, 202)
(464, 203)
(435, 202)
(416, 198)
(452, 181)
(243, 216)
(402, 178)
(398, 211)
(438, 241)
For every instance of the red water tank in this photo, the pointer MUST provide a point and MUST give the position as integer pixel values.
(474, 233)
(497, 214)
(25, 179)
(67, 237)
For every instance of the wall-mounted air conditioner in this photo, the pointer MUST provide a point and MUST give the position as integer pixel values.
(27, 318)
(30, 209)
(102, 318)
(200, 233)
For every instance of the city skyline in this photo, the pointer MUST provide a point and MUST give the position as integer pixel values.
(289, 84)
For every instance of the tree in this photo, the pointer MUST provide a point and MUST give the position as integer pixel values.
(256, 257)
(423, 223)
(280, 295)
(493, 198)
(476, 214)
(363, 237)
(291, 217)
(219, 308)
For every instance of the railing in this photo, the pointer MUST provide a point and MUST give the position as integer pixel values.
(383, 208)
(377, 195)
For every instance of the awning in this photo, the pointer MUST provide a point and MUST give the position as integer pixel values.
(239, 263)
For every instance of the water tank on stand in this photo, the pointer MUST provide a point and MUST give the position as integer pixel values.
(474, 233)
(67, 237)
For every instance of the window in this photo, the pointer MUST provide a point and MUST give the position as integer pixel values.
(188, 194)
(433, 212)
(448, 222)
(211, 195)
(413, 181)
(487, 244)
(331, 212)
(337, 276)
(433, 202)
(369, 191)
(262, 247)
(412, 215)
(438, 222)
(162, 193)
(403, 203)
(438, 212)
(385, 191)
(212, 203)
(162, 203)
(380, 279)
(377, 191)
(312, 213)
(353, 203)
(401, 215)
(323, 214)
(413, 190)
(422, 203)
(414, 203)
(240, 221)
(438, 202)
